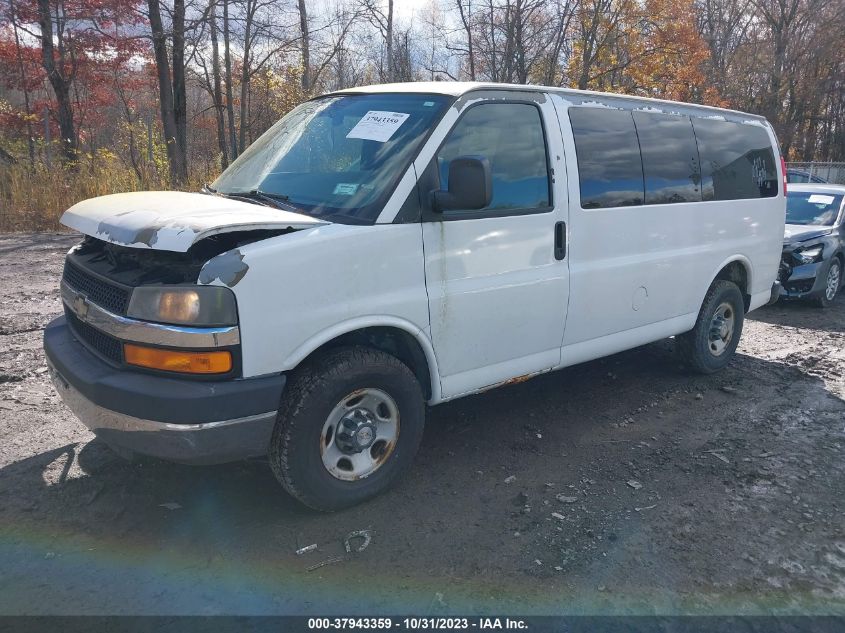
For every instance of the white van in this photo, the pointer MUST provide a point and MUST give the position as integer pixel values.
(388, 247)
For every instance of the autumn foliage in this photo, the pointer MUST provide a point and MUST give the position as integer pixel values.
(109, 95)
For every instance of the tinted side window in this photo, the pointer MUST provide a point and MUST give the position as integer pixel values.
(737, 161)
(670, 158)
(609, 165)
(510, 136)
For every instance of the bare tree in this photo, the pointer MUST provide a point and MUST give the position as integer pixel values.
(60, 72)
(213, 84)
(382, 20)
(230, 90)
(305, 47)
(30, 135)
(172, 107)
(465, 10)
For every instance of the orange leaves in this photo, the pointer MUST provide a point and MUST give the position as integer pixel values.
(646, 47)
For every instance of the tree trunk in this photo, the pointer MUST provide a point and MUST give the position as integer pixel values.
(465, 20)
(389, 40)
(245, 75)
(305, 46)
(59, 82)
(30, 134)
(175, 156)
(180, 107)
(230, 96)
(218, 90)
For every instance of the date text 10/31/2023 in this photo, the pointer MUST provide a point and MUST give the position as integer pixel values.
(417, 623)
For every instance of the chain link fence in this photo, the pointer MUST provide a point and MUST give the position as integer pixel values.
(829, 172)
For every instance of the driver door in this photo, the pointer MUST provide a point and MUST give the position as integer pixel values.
(497, 278)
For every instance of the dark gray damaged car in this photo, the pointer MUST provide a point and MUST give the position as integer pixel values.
(813, 258)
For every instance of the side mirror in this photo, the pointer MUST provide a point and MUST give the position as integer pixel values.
(470, 185)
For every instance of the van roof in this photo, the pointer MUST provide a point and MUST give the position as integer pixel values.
(460, 88)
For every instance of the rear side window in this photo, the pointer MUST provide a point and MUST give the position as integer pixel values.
(510, 136)
(737, 161)
(609, 164)
(670, 158)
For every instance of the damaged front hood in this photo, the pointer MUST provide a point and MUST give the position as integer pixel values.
(174, 220)
(803, 232)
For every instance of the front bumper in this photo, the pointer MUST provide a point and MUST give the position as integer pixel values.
(806, 281)
(197, 422)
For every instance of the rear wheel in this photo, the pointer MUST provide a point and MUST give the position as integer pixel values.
(832, 283)
(711, 344)
(349, 425)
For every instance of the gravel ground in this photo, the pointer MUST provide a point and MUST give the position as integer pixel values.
(623, 485)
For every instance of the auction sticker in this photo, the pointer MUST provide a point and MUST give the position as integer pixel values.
(817, 199)
(378, 125)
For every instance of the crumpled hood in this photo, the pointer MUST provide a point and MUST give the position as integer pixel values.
(173, 220)
(803, 232)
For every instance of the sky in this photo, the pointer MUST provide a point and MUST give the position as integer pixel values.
(405, 9)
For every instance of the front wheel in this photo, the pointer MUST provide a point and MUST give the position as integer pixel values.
(832, 283)
(349, 425)
(711, 344)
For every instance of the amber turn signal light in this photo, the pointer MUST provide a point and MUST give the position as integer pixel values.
(172, 360)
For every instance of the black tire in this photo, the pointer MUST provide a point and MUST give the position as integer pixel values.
(823, 301)
(694, 347)
(310, 395)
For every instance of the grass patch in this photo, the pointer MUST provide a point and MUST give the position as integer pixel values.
(33, 199)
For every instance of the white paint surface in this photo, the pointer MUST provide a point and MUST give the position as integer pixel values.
(673, 250)
(485, 298)
(497, 295)
(173, 220)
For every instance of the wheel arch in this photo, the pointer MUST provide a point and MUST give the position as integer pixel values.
(840, 255)
(737, 269)
(394, 336)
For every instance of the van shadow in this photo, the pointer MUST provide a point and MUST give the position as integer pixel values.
(238, 512)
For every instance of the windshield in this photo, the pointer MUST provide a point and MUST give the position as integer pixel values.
(337, 158)
(812, 208)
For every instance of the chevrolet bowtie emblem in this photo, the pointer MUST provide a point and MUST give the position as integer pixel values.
(80, 306)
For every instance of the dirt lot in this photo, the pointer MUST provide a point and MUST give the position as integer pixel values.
(679, 493)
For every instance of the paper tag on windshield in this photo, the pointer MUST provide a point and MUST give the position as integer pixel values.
(378, 125)
(817, 199)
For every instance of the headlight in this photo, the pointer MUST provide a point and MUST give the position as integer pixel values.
(809, 254)
(184, 305)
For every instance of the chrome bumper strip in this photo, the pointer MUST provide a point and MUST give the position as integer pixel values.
(136, 331)
(208, 443)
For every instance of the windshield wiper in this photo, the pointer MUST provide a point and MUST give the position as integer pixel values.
(278, 200)
(273, 198)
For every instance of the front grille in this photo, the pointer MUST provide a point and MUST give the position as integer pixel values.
(110, 296)
(106, 346)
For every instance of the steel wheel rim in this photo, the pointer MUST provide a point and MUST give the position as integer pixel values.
(832, 281)
(722, 328)
(362, 415)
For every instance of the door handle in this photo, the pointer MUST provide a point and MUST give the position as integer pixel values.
(560, 240)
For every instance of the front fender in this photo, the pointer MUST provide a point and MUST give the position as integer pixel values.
(360, 323)
(300, 290)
